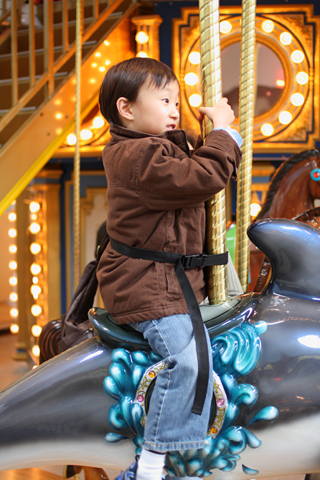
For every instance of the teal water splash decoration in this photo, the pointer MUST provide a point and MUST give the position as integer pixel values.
(125, 374)
(235, 354)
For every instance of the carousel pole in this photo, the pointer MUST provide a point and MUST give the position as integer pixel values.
(76, 163)
(247, 74)
(211, 94)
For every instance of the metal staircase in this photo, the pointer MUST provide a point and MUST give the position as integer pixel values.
(37, 81)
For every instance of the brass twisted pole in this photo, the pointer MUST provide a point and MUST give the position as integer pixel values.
(211, 94)
(247, 80)
(76, 163)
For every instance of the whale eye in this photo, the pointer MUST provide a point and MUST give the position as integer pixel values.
(315, 174)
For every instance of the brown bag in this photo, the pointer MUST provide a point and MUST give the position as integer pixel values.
(75, 325)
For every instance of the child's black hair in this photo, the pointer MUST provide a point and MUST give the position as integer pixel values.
(125, 80)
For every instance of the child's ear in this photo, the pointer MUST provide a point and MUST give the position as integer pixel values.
(124, 108)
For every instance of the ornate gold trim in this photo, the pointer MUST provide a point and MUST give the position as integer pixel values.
(303, 130)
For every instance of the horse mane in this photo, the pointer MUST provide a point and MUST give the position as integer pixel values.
(279, 174)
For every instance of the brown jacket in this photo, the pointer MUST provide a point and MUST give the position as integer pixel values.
(156, 194)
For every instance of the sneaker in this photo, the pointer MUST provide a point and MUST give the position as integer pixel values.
(129, 474)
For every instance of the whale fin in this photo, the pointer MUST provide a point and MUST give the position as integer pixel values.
(293, 249)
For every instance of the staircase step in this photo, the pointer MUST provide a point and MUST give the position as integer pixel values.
(23, 111)
(23, 56)
(23, 62)
(22, 40)
(30, 138)
(21, 80)
(23, 86)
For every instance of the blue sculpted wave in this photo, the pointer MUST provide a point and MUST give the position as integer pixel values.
(235, 354)
(125, 374)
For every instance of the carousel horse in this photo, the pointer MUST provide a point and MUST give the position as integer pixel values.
(293, 189)
(88, 405)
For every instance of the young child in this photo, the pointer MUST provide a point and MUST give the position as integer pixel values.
(156, 195)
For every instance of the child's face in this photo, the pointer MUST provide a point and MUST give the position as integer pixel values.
(156, 110)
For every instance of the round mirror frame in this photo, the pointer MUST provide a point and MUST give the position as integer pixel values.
(303, 126)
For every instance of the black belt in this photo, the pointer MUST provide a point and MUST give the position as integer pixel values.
(181, 262)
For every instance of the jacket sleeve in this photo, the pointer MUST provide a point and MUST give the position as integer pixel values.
(169, 179)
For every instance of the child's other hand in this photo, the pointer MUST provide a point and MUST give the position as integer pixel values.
(221, 115)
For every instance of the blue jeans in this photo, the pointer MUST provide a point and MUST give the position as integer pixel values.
(170, 424)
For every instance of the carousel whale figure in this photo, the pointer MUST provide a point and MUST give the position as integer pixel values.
(87, 406)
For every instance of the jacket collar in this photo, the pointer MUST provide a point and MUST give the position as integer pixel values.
(178, 137)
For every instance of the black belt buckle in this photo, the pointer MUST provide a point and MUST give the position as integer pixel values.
(193, 261)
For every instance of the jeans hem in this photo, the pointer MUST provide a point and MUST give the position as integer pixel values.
(173, 446)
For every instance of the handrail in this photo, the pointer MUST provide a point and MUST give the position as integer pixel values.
(51, 67)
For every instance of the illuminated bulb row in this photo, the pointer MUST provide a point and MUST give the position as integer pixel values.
(13, 296)
(35, 269)
(142, 38)
(297, 99)
(86, 134)
(297, 56)
(102, 68)
(98, 122)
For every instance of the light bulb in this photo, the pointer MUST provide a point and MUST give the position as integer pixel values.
(13, 265)
(85, 134)
(297, 56)
(14, 328)
(36, 350)
(35, 291)
(12, 233)
(36, 310)
(142, 37)
(225, 26)
(98, 122)
(35, 269)
(34, 227)
(194, 58)
(267, 129)
(195, 100)
(35, 248)
(13, 296)
(297, 99)
(285, 117)
(191, 79)
(13, 281)
(13, 248)
(34, 207)
(71, 139)
(302, 78)
(14, 312)
(254, 209)
(268, 26)
(142, 55)
(36, 330)
(285, 38)
(12, 217)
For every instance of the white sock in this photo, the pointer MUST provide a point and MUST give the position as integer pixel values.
(150, 465)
